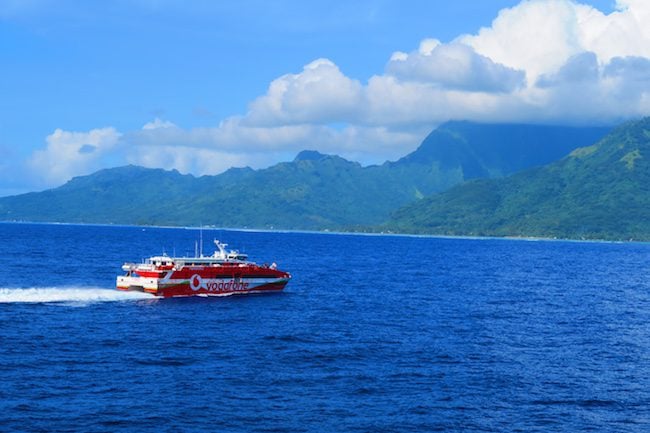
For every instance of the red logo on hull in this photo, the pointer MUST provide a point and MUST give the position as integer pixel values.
(197, 283)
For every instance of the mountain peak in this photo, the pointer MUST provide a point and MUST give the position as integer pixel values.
(310, 155)
(486, 150)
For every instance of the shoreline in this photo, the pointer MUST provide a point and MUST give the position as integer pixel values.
(339, 233)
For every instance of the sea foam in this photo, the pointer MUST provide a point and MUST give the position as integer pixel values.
(68, 295)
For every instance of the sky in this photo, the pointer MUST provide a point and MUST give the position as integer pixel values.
(202, 86)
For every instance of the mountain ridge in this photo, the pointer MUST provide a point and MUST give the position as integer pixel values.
(314, 191)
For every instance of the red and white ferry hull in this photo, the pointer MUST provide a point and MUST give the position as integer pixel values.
(199, 286)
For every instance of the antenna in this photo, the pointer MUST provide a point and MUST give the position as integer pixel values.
(201, 234)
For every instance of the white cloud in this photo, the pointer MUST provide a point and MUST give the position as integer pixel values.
(455, 66)
(534, 36)
(188, 160)
(158, 123)
(236, 140)
(232, 135)
(540, 36)
(72, 153)
(576, 65)
(518, 69)
(318, 94)
(581, 68)
(584, 91)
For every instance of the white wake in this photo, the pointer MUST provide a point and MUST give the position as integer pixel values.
(68, 295)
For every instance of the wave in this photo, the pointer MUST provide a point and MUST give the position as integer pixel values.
(67, 295)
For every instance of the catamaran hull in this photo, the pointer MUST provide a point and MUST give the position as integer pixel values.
(197, 286)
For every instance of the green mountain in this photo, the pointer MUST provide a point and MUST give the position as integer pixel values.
(597, 192)
(493, 150)
(314, 191)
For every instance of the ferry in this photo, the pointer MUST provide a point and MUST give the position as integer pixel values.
(224, 273)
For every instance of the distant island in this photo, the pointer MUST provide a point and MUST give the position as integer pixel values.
(464, 179)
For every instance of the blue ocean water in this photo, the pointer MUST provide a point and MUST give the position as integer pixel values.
(373, 334)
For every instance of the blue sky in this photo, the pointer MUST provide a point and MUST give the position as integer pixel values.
(204, 85)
